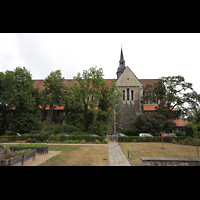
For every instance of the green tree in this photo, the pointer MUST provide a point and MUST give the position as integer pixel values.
(173, 92)
(88, 99)
(53, 94)
(153, 123)
(17, 100)
(3, 106)
(88, 89)
(196, 135)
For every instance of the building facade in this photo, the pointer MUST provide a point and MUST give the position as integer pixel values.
(131, 88)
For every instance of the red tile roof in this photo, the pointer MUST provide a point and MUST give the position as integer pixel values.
(153, 107)
(149, 107)
(148, 81)
(181, 122)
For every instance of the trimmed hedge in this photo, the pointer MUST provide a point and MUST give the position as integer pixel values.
(24, 137)
(79, 138)
(57, 138)
(148, 139)
(51, 138)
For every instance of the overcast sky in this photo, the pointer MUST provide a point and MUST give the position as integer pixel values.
(149, 55)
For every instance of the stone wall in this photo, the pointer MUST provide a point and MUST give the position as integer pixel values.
(152, 161)
(131, 94)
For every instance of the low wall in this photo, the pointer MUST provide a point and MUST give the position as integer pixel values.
(152, 161)
(18, 159)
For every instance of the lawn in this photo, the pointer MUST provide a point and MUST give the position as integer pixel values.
(150, 149)
(78, 156)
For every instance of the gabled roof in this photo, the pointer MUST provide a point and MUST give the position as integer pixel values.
(128, 78)
(148, 81)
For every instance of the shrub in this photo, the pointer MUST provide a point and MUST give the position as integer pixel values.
(98, 127)
(105, 140)
(180, 133)
(97, 141)
(28, 140)
(130, 131)
(188, 130)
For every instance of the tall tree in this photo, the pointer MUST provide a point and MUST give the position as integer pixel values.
(54, 91)
(173, 93)
(17, 97)
(196, 130)
(91, 96)
(89, 89)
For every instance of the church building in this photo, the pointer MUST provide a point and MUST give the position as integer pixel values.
(131, 88)
(133, 103)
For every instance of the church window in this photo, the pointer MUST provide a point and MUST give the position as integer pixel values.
(132, 93)
(123, 95)
(127, 93)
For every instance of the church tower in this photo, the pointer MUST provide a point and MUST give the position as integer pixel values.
(122, 66)
(131, 90)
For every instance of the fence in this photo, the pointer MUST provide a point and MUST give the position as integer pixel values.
(18, 159)
(39, 150)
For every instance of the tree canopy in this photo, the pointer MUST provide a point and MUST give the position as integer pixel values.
(174, 92)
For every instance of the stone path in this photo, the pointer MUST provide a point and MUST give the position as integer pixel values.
(116, 156)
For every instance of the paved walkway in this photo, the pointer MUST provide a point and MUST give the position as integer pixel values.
(116, 156)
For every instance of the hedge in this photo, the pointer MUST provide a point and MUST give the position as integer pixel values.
(51, 138)
(56, 138)
(24, 137)
(149, 139)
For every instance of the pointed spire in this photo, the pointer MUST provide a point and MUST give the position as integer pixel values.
(121, 57)
(122, 66)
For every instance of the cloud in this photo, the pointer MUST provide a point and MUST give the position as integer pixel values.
(35, 56)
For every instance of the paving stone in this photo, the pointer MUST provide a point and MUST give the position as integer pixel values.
(116, 156)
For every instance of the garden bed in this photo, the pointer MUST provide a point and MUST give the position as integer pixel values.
(3, 152)
(40, 149)
(18, 159)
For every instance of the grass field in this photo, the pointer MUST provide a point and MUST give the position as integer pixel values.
(95, 155)
(78, 156)
(147, 149)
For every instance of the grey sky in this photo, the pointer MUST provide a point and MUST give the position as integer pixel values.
(149, 55)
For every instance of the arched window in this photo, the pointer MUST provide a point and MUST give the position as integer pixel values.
(132, 93)
(127, 93)
(123, 95)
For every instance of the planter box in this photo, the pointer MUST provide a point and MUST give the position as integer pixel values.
(18, 159)
(39, 150)
(3, 152)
